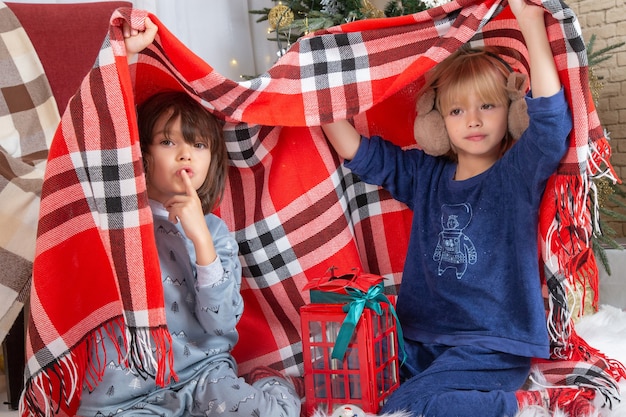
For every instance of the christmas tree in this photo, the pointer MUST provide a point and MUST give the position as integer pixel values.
(291, 19)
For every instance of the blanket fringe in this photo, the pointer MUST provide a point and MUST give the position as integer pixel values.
(57, 389)
(54, 390)
(142, 359)
(599, 166)
(572, 269)
(593, 373)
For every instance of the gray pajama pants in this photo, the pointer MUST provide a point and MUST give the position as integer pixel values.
(218, 391)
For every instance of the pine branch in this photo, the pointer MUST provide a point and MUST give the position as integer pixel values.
(595, 57)
(600, 253)
(614, 214)
(404, 7)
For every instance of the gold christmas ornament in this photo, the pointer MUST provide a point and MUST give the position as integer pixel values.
(604, 190)
(595, 85)
(370, 11)
(280, 16)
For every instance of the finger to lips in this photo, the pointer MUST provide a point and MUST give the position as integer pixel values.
(189, 190)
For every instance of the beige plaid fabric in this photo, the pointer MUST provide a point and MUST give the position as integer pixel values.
(28, 119)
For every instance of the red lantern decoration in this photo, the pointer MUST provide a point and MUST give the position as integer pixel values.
(350, 345)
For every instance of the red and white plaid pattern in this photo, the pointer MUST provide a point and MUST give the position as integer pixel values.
(293, 208)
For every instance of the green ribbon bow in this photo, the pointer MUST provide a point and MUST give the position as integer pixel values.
(355, 301)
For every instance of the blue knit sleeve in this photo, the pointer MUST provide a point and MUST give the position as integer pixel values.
(383, 163)
(540, 148)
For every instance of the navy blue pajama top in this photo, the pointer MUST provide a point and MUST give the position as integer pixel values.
(471, 274)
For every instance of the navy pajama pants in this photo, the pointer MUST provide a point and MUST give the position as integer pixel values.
(460, 381)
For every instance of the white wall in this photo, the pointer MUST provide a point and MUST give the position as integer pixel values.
(222, 32)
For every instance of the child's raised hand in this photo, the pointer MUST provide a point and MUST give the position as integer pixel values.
(525, 10)
(187, 209)
(544, 78)
(135, 40)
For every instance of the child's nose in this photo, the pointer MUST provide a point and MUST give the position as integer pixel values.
(473, 118)
(185, 152)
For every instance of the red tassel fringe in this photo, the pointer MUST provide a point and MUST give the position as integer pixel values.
(57, 389)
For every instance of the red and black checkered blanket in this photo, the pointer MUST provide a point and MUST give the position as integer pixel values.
(293, 208)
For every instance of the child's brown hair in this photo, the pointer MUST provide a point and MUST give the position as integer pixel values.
(196, 123)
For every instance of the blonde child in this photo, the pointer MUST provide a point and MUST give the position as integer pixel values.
(470, 301)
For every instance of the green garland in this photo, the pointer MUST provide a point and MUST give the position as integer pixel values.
(401, 8)
(309, 16)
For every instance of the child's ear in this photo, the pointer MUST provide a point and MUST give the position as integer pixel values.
(518, 110)
(145, 159)
(429, 128)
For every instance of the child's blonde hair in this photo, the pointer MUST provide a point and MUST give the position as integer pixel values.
(471, 70)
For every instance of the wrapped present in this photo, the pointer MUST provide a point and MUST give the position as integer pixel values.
(350, 343)
(337, 282)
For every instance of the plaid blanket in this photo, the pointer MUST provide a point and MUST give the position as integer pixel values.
(293, 208)
(28, 118)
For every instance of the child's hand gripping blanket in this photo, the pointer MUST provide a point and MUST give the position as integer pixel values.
(294, 209)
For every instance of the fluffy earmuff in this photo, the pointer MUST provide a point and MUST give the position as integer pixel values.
(429, 128)
(518, 109)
